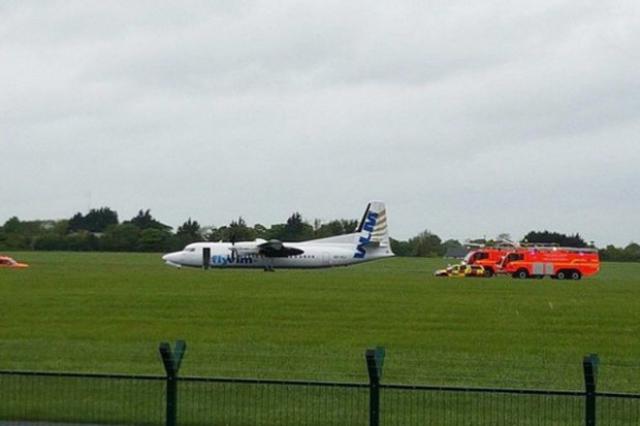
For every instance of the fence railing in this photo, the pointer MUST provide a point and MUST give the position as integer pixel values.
(174, 400)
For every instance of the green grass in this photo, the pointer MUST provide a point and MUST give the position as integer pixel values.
(108, 312)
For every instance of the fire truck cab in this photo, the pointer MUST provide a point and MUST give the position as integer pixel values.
(557, 262)
(487, 257)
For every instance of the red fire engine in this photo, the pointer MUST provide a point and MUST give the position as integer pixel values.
(488, 257)
(557, 262)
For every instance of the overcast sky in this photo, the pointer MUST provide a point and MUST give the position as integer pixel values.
(469, 119)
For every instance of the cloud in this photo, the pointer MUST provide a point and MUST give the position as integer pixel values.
(469, 119)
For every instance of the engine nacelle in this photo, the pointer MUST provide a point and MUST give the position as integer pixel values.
(247, 248)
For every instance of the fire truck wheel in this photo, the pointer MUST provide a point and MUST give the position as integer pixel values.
(488, 273)
(561, 275)
(575, 275)
(521, 274)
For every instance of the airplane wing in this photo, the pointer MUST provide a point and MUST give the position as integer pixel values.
(275, 248)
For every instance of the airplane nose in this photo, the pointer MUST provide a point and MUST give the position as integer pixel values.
(170, 257)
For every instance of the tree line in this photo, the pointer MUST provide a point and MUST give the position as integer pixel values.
(101, 230)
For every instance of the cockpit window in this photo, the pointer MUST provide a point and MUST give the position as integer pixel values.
(190, 249)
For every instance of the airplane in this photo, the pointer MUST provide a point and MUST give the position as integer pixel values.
(370, 241)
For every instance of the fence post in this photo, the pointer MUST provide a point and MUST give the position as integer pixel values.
(590, 368)
(375, 360)
(171, 361)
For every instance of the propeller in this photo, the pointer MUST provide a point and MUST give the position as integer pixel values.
(275, 244)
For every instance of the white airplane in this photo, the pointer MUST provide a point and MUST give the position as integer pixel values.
(370, 241)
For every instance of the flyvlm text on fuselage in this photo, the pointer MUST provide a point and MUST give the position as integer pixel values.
(370, 241)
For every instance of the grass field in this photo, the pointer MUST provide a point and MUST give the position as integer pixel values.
(97, 312)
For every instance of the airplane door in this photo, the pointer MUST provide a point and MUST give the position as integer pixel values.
(206, 257)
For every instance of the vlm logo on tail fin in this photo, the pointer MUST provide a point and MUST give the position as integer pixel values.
(372, 229)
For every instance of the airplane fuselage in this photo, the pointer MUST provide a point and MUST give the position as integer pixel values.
(222, 256)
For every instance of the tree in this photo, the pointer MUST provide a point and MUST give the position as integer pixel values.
(610, 253)
(144, 220)
(154, 239)
(632, 252)
(236, 231)
(349, 225)
(82, 241)
(260, 230)
(213, 234)
(276, 232)
(296, 229)
(190, 229)
(12, 225)
(426, 244)
(239, 231)
(401, 248)
(21, 235)
(334, 227)
(187, 233)
(451, 244)
(97, 220)
(14, 241)
(51, 242)
(547, 237)
(54, 236)
(323, 230)
(61, 227)
(12, 237)
(122, 237)
(76, 222)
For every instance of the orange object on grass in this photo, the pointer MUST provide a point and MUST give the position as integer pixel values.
(8, 262)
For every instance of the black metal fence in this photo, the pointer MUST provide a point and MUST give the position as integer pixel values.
(170, 399)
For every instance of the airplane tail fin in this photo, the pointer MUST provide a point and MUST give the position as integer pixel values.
(373, 229)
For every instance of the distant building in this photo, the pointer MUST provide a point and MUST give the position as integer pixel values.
(456, 252)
